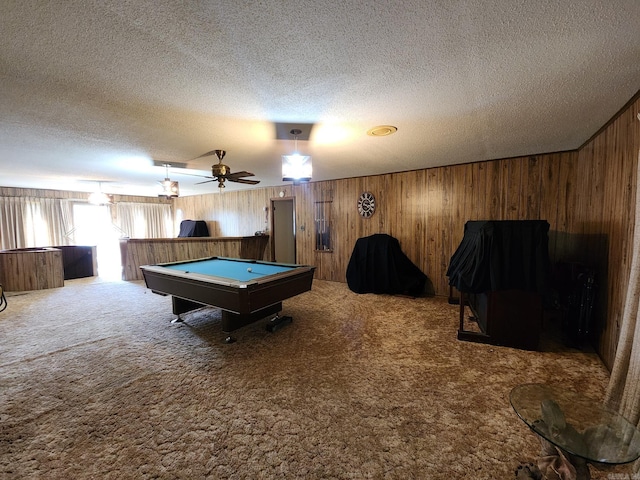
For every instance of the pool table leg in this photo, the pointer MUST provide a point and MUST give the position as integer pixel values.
(233, 321)
(274, 324)
(180, 305)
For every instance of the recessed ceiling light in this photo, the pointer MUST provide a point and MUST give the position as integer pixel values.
(382, 131)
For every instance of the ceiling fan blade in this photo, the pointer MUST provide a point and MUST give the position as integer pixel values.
(243, 180)
(194, 175)
(212, 152)
(240, 175)
(221, 172)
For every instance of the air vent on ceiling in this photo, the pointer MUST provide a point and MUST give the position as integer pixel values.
(382, 131)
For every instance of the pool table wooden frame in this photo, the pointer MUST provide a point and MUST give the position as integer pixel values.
(241, 302)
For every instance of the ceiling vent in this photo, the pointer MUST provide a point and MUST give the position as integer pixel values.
(382, 131)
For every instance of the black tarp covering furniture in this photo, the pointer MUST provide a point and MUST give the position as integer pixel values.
(378, 265)
(501, 255)
(503, 268)
(193, 228)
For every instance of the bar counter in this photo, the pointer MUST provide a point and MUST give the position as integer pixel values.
(23, 269)
(136, 252)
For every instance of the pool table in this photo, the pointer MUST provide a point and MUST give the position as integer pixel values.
(245, 290)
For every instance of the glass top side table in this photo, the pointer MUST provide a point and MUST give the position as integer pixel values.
(583, 430)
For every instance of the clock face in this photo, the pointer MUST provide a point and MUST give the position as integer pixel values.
(366, 204)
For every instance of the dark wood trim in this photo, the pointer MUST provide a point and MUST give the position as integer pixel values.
(625, 107)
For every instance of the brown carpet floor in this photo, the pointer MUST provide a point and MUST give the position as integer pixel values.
(95, 382)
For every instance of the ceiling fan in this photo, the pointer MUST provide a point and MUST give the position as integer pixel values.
(221, 172)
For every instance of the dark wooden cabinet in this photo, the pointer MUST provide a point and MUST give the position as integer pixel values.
(78, 261)
(511, 318)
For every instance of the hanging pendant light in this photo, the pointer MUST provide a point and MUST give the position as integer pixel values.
(99, 197)
(296, 168)
(170, 189)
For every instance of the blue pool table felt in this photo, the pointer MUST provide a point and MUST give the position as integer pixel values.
(230, 269)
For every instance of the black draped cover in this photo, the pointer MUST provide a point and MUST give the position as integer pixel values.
(378, 265)
(501, 269)
(193, 228)
(501, 255)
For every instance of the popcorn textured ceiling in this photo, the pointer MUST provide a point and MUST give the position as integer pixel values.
(99, 90)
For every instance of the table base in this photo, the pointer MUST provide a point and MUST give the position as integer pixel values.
(555, 463)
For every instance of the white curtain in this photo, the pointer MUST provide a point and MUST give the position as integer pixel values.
(66, 210)
(144, 220)
(32, 222)
(623, 391)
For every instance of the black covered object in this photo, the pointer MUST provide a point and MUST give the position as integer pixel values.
(501, 269)
(193, 228)
(378, 265)
(501, 255)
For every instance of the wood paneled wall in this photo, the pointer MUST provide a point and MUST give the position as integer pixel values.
(42, 193)
(606, 175)
(586, 195)
(231, 214)
(136, 252)
(424, 209)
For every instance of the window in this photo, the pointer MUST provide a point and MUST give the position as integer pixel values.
(94, 227)
(323, 225)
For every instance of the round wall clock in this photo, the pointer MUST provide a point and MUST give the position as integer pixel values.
(366, 204)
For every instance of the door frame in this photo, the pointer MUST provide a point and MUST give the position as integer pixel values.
(272, 204)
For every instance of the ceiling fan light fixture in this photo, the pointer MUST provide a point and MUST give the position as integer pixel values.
(221, 173)
(170, 188)
(296, 168)
(99, 197)
(382, 131)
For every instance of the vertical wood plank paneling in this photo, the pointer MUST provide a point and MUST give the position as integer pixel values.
(522, 210)
(587, 196)
(445, 232)
(492, 193)
(614, 155)
(532, 195)
(504, 169)
(548, 185)
(567, 200)
(431, 238)
(512, 184)
(461, 188)
(31, 269)
(478, 192)
(467, 196)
